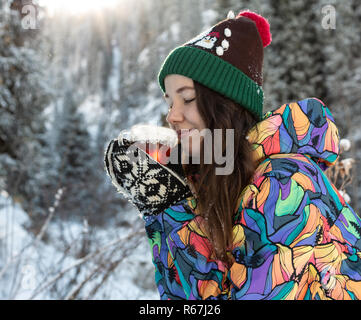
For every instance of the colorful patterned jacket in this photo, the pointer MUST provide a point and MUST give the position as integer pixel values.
(294, 236)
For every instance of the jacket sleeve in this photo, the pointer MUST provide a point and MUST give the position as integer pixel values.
(166, 275)
(182, 256)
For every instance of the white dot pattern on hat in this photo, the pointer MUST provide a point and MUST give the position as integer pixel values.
(225, 44)
(227, 32)
(219, 51)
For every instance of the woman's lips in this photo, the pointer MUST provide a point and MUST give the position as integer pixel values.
(184, 133)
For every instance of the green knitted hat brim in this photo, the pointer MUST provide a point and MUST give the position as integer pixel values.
(214, 73)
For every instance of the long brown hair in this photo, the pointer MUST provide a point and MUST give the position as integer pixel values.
(217, 195)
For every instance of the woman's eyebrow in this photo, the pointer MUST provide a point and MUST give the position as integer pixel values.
(180, 90)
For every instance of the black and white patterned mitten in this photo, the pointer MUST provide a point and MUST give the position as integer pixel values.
(149, 185)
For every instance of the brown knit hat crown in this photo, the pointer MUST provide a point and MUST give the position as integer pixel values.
(236, 41)
(227, 58)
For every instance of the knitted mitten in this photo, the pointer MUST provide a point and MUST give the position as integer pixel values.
(149, 185)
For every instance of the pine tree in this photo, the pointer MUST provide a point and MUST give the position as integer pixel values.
(295, 58)
(340, 54)
(343, 69)
(24, 95)
(75, 164)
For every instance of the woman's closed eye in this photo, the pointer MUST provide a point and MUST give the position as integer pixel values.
(189, 101)
(185, 102)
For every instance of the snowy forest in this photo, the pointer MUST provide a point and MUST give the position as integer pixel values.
(72, 80)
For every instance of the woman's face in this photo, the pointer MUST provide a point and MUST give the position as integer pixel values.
(183, 115)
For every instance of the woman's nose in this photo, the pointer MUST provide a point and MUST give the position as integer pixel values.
(175, 114)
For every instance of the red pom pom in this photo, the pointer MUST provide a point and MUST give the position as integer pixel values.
(262, 25)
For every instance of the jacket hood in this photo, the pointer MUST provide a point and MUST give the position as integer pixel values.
(305, 127)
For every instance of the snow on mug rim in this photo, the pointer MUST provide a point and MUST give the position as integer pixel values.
(148, 133)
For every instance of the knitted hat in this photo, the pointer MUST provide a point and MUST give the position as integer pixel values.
(227, 58)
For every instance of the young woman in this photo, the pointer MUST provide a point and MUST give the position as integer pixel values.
(276, 227)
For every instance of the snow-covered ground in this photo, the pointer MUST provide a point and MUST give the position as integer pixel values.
(28, 265)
